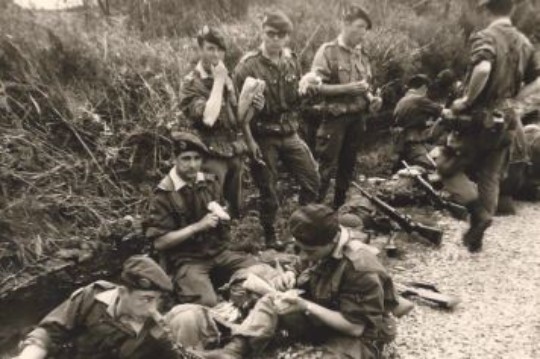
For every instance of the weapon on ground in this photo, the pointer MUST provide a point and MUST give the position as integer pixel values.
(456, 210)
(434, 235)
(178, 348)
(427, 292)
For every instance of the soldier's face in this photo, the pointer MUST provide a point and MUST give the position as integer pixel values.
(140, 303)
(211, 54)
(314, 253)
(188, 164)
(355, 31)
(274, 39)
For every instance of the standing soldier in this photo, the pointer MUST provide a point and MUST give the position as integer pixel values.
(275, 125)
(501, 60)
(346, 75)
(209, 100)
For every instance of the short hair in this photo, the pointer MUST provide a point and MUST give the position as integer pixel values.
(418, 81)
(500, 7)
(314, 225)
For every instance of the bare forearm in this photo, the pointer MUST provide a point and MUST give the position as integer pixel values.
(334, 319)
(174, 238)
(213, 105)
(333, 90)
(33, 352)
(479, 78)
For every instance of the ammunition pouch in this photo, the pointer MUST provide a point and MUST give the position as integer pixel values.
(280, 124)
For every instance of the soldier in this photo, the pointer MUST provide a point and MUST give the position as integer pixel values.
(346, 74)
(414, 117)
(106, 320)
(348, 301)
(275, 125)
(190, 234)
(209, 100)
(501, 60)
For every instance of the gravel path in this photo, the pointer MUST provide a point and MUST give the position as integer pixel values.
(499, 316)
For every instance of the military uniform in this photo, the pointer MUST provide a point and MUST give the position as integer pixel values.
(88, 324)
(481, 146)
(343, 121)
(176, 205)
(275, 130)
(224, 144)
(412, 116)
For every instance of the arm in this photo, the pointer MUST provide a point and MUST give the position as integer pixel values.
(529, 89)
(174, 238)
(333, 319)
(479, 78)
(33, 351)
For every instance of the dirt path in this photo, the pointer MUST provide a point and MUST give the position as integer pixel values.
(499, 316)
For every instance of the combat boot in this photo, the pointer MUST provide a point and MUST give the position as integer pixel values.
(271, 240)
(479, 222)
(236, 349)
(506, 206)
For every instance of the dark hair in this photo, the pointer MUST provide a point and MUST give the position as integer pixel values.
(418, 81)
(314, 225)
(500, 7)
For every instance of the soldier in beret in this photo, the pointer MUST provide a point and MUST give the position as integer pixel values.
(106, 320)
(501, 60)
(275, 124)
(188, 226)
(344, 68)
(348, 300)
(209, 100)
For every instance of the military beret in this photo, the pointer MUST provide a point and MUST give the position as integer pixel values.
(314, 224)
(186, 141)
(279, 21)
(143, 273)
(212, 35)
(353, 12)
(418, 80)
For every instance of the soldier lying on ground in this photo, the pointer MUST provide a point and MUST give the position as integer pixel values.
(192, 237)
(106, 320)
(346, 307)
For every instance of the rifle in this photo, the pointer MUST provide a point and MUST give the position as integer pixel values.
(456, 210)
(434, 235)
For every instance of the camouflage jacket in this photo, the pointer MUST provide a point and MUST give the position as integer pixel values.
(336, 63)
(86, 326)
(223, 138)
(279, 115)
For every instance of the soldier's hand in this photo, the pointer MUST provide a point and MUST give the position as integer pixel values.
(357, 88)
(220, 72)
(211, 220)
(258, 101)
(284, 281)
(375, 104)
(460, 105)
(289, 302)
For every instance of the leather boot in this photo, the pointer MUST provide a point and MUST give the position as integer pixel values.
(506, 206)
(479, 222)
(236, 349)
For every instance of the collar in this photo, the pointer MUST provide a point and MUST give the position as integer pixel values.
(202, 72)
(344, 237)
(285, 52)
(110, 299)
(341, 42)
(504, 21)
(413, 92)
(178, 182)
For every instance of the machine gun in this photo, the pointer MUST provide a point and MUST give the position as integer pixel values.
(456, 210)
(433, 235)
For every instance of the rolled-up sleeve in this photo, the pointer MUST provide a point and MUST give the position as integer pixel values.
(482, 48)
(320, 65)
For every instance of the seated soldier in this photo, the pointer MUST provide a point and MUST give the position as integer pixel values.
(347, 304)
(106, 320)
(414, 114)
(192, 238)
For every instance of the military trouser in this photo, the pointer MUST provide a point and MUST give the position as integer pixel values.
(416, 154)
(297, 158)
(487, 167)
(229, 172)
(192, 279)
(196, 327)
(338, 142)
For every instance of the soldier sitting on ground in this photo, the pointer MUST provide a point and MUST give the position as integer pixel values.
(346, 307)
(106, 320)
(187, 229)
